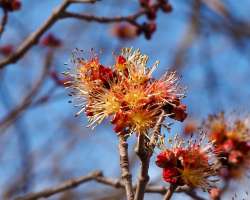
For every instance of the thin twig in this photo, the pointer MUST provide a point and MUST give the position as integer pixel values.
(100, 19)
(83, 1)
(3, 21)
(26, 102)
(156, 131)
(124, 165)
(34, 37)
(170, 192)
(93, 176)
(145, 156)
(61, 188)
(61, 13)
(143, 176)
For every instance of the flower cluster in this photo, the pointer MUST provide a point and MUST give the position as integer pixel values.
(232, 140)
(191, 163)
(126, 92)
(190, 127)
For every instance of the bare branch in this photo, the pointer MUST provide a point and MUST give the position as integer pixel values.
(3, 21)
(61, 188)
(34, 37)
(26, 102)
(98, 177)
(156, 131)
(170, 192)
(99, 19)
(83, 1)
(143, 176)
(145, 156)
(60, 13)
(124, 165)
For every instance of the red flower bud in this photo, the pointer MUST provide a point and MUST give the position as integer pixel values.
(144, 3)
(151, 14)
(215, 193)
(235, 157)
(166, 7)
(6, 49)
(16, 5)
(51, 41)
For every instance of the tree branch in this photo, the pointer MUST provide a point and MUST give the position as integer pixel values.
(145, 156)
(170, 192)
(61, 13)
(100, 19)
(124, 165)
(3, 21)
(34, 37)
(83, 1)
(93, 176)
(26, 102)
(143, 176)
(61, 188)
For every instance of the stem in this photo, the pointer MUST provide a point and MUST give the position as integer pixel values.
(70, 184)
(145, 159)
(170, 192)
(124, 164)
(145, 156)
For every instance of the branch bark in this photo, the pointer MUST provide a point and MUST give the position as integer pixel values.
(170, 192)
(61, 188)
(93, 176)
(26, 102)
(124, 165)
(145, 156)
(61, 13)
(3, 21)
(143, 176)
(34, 37)
(92, 18)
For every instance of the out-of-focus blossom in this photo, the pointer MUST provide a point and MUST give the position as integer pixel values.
(125, 31)
(190, 127)
(11, 5)
(232, 140)
(51, 40)
(215, 193)
(166, 6)
(126, 92)
(6, 50)
(191, 163)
